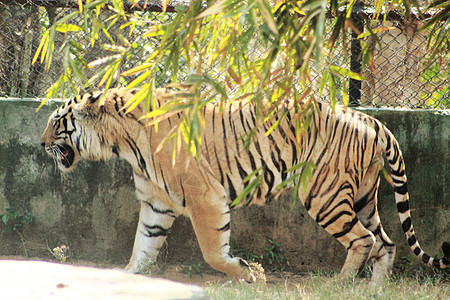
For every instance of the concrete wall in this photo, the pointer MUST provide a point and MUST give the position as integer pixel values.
(93, 209)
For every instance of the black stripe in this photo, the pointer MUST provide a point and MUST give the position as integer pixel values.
(388, 141)
(252, 115)
(269, 177)
(327, 205)
(416, 251)
(184, 196)
(93, 99)
(377, 231)
(397, 180)
(233, 128)
(294, 152)
(241, 170)
(445, 261)
(318, 186)
(372, 213)
(330, 201)
(231, 190)
(412, 240)
(164, 180)
(403, 206)
(358, 239)
(283, 170)
(154, 230)
(398, 173)
(406, 225)
(394, 159)
(347, 228)
(213, 118)
(425, 258)
(258, 149)
(225, 227)
(225, 144)
(334, 218)
(137, 153)
(161, 211)
(252, 160)
(274, 161)
(402, 190)
(116, 106)
(218, 166)
(115, 150)
(241, 115)
(436, 263)
(363, 201)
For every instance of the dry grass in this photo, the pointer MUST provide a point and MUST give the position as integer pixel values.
(319, 286)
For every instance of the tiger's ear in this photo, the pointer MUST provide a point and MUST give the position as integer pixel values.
(87, 106)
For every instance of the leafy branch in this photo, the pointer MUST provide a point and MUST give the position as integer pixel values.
(208, 49)
(13, 221)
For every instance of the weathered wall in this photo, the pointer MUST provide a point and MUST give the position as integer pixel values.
(93, 209)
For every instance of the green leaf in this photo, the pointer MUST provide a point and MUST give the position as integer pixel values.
(43, 42)
(6, 229)
(267, 15)
(5, 218)
(374, 31)
(347, 73)
(155, 31)
(248, 191)
(65, 28)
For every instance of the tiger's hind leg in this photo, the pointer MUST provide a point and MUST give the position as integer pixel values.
(338, 219)
(211, 221)
(383, 253)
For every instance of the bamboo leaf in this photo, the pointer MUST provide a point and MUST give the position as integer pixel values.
(115, 48)
(65, 28)
(216, 8)
(374, 31)
(267, 16)
(94, 4)
(104, 60)
(137, 69)
(347, 73)
(155, 31)
(44, 40)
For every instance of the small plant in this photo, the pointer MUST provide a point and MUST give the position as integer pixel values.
(367, 271)
(405, 263)
(147, 267)
(60, 253)
(273, 254)
(13, 221)
(193, 269)
(244, 253)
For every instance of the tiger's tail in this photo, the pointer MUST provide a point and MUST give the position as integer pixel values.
(397, 167)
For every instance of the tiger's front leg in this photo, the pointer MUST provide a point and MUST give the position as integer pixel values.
(211, 221)
(154, 223)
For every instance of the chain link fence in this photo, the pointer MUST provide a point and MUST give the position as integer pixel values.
(403, 77)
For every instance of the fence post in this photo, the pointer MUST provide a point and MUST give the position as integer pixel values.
(354, 90)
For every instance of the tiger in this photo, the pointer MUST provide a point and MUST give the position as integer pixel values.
(345, 148)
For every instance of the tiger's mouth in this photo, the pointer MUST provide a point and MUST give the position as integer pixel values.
(64, 154)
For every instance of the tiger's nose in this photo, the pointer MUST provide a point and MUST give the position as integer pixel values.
(43, 144)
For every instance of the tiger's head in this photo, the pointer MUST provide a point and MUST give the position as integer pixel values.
(84, 128)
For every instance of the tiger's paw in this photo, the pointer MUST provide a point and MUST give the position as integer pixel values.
(258, 272)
